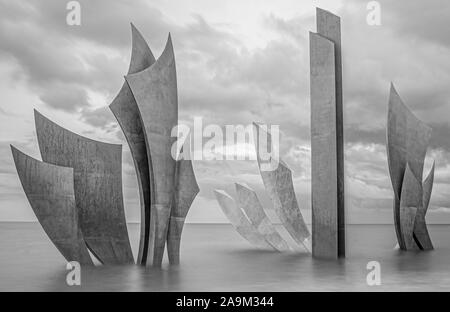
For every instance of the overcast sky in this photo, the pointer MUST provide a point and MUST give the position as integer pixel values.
(238, 61)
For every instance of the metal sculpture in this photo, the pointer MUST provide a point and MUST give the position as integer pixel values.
(97, 170)
(279, 186)
(327, 148)
(248, 201)
(407, 143)
(186, 189)
(50, 191)
(277, 178)
(155, 92)
(240, 221)
(125, 110)
(146, 108)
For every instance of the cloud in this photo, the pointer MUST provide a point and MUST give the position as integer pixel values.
(65, 98)
(100, 117)
(418, 21)
(440, 137)
(3, 112)
(75, 72)
(62, 63)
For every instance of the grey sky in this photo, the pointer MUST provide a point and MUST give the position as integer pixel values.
(237, 62)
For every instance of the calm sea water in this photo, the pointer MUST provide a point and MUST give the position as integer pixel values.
(216, 258)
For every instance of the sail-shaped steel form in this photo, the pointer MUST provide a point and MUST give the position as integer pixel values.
(327, 147)
(240, 221)
(146, 108)
(97, 168)
(280, 188)
(50, 192)
(249, 202)
(147, 111)
(407, 143)
(186, 189)
(410, 203)
(155, 92)
(421, 235)
(127, 113)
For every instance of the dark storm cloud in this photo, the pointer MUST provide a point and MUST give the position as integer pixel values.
(102, 21)
(441, 136)
(223, 80)
(235, 78)
(405, 50)
(51, 55)
(66, 98)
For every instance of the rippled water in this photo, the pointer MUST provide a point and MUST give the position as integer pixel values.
(215, 258)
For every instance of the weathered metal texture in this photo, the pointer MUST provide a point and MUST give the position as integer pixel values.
(239, 221)
(50, 191)
(186, 189)
(327, 138)
(141, 54)
(278, 184)
(97, 170)
(428, 188)
(407, 218)
(407, 142)
(329, 26)
(155, 92)
(249, 202)
(421, 235)
(323, 149)
(411, 202)
(125, 110)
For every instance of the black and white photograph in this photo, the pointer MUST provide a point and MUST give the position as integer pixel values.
(245, 147)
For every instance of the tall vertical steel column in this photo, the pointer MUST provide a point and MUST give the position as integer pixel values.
(327, 138)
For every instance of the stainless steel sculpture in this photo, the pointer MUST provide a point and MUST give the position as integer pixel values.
(280, 188)
(411, 200)
(240, 221)
(97, 168)
(327, 148)
(147, 109)
(186, 189)
(155, 92)
(422, 238)
(50, 191)
(125, 110)
(277, 178)
(407, 142)
(248, 201)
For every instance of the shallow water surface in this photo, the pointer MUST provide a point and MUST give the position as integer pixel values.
(216, 258)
